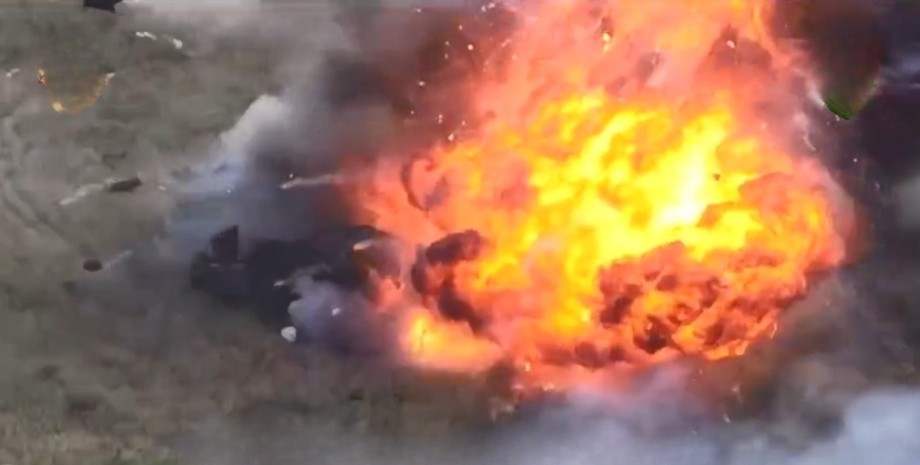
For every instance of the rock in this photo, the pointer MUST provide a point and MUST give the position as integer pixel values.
(81, 401)
(289, 333)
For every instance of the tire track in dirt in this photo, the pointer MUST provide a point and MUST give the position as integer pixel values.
(71, 390)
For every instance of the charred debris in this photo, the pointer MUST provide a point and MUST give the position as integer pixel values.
(262, 274)
(104, 5)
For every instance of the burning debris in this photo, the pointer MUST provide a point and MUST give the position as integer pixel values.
(579, 224)
(315, 181)
(290, 281)
(586, 194)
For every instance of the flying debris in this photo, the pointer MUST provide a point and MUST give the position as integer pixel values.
(104, 5)
(92, 265)
(75, 73)
(124, 185)
(625, 199)
(849, 47)
(849, 101)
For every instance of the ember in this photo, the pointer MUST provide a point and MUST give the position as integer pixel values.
(620, 201)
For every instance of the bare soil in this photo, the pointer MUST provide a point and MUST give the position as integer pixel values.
(127, 364)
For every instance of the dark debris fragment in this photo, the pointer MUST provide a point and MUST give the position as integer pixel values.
(92, 265)
(124, 185)
(104, 5)
(260, 274)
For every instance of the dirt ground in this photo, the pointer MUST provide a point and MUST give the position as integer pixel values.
(127, 365)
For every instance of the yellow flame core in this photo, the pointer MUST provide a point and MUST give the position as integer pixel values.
(631, 227)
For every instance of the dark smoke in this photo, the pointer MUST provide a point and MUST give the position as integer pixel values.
(366, 98)
(874, 153)
(433, 276)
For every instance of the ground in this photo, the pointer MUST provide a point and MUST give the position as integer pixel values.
(127, 365)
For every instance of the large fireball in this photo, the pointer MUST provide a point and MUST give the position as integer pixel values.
(619, 201)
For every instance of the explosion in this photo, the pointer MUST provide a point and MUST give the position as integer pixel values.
(616, 196)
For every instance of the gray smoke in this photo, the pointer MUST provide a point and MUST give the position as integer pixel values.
(876, 430)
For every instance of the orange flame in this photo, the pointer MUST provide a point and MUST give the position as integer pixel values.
(627, 226)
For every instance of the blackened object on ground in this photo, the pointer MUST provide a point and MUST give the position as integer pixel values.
(105, 5)
(346, 264)
(222, 279)
(92, 265)
(259, 276)
(225, 245)
(267, 264)
(335, 242)
(125, 185)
